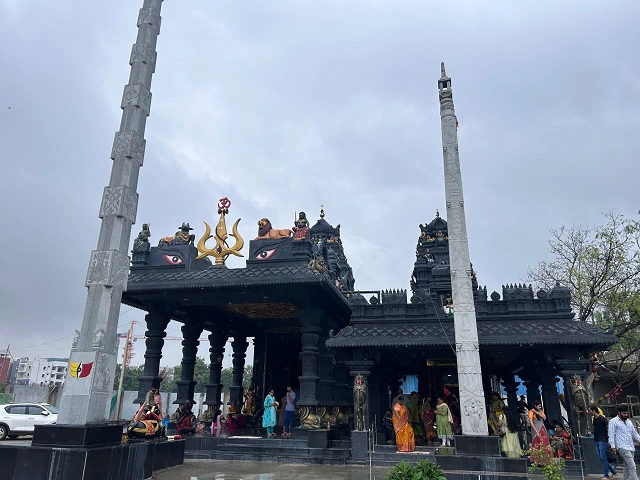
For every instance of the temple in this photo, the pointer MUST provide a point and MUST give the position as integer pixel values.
(312, 329)
(296, 300)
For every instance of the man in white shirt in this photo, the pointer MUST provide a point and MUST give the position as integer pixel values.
(621, 437)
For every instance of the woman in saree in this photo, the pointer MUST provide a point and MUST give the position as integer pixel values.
(405, 441)
(561, 441)
(269, 416)
(496, 411)
(540, 448)
(429, 420)
(444, 420)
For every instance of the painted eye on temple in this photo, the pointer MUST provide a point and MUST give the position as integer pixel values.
(265, 255)
(173, 259)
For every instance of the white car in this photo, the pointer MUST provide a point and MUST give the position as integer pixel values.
(20, 418)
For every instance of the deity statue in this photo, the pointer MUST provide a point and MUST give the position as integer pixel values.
(301, 227)
(141, 242)
(250, 400)
(182, 237)
(360, 402)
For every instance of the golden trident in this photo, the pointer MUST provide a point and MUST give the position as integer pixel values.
(222, 250)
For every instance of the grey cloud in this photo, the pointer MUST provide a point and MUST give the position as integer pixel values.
(288, 105)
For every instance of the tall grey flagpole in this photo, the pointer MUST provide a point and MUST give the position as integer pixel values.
(472, 404)
(88, 386)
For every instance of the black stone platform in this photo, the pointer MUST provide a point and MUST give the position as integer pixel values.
(93, 452)
(282, 450)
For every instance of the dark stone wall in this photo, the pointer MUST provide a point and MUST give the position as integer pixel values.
(134, 460)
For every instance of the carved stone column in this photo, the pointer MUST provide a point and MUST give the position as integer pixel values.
(186, 384)
(550, 398)
(511, 386)
(86, 401)
(259, 352)
(472, 401)
(156, 326)
(217, 341)
(532, 384)
(310, 321)
(239, 346)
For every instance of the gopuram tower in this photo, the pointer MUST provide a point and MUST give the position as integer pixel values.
(474, 417)
(89, 383)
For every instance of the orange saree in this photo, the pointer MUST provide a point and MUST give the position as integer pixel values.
(405, 440)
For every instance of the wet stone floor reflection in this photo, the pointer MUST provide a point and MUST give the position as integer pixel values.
(226, 470)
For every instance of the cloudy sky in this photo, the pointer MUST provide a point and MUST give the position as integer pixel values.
(284, 106)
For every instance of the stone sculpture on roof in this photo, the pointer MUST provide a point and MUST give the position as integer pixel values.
(182, 237)
(301, 227)
(267, 232)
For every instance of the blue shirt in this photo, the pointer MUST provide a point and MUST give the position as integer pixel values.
(291, 402)
(622, 434)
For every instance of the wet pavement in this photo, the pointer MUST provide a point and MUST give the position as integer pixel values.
(236, 470)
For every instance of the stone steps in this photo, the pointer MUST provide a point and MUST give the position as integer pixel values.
(281, 450)
(455, 467)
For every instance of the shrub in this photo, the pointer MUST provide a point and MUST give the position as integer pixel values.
(542, 460)
(423, 470)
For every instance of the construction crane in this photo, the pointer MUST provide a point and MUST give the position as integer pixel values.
(128, 354)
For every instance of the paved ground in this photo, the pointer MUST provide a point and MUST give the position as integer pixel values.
(236, 470)
(224, 470)
(26, 441)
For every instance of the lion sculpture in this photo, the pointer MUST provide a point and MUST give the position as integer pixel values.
(267, 232)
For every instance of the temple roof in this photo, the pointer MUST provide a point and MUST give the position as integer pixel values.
(490, 332)
(222, 277)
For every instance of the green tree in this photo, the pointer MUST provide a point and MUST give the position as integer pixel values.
(227, 376)
(201, 375)
(131, 375)
(601, 267)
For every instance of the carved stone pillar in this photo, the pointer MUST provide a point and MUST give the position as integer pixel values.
(569, 368)
(550, 398)
(259, 352)
(186, 384)
(239, 346)
(156, 326)
(326, 382)
(310, 321)
(217, 341)
(532, 384)
(511, 387)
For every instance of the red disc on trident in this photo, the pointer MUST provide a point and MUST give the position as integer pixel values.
(223, 205)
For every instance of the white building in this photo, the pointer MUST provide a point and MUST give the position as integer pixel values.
(42, 371)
